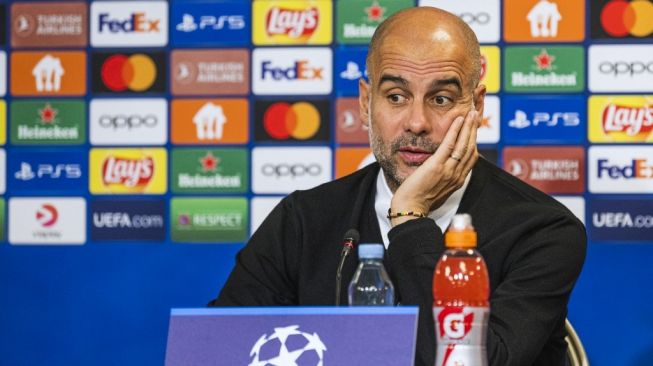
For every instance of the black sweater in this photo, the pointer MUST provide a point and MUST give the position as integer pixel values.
(533, 246)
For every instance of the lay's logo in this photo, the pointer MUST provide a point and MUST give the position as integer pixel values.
(621, 119)
(299, 24)
(128, 171)
(292, 22)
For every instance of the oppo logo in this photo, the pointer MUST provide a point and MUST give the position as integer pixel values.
(291, 170)
(475, 18)
(626, 68)
(129, 122)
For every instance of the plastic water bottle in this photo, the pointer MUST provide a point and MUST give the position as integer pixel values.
(461, 291)
(371, 284)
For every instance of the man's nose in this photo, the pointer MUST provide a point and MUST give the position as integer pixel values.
(418, 121)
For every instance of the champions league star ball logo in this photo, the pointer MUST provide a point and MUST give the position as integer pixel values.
(288, 346)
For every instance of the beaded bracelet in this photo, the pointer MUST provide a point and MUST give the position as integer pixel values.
(404, 213)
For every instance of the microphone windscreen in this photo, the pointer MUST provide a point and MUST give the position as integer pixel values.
(353, 235)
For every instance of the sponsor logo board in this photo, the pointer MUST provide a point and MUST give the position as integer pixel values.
(210, 72)
(544, 20)
(43, 171)
(490, 68)
(489, 130)
(142, 121)
(621, 219)
(291, 120)
(260, 208)
(48, 73)
(3, 171)
(279, 170)
(121, 220)
(209, 121)
(544, 119)
(350, 159)
(210, 171)
(629, 19)
(3, 122)
(3, 15)
(620, 118)
(349, 127)
(620, 169)
(349, 68)
(50, 121)
(3, 221)
(292, 22)
(52, 24)
(481, 15)
(208, 220)
(210, 24)
(554, 169)
(129, 24)
(287, 71)
(128, 171)
(356, 20)
(544, 69)
(575, 204)
(128, 72)
(3, 73)
(47, 220)
(620, 68)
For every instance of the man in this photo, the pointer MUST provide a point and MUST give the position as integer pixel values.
(423, 105)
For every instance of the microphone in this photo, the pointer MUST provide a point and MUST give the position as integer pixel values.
(351, 238)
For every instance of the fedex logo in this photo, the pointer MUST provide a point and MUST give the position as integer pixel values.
(636, 169)
(301, 70)
(129, 23)
(621, 169)
(137, 22)
(278, 71)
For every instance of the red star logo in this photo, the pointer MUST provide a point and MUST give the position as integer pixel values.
(375, 12)
(485, 122)
(48, 114)
(544, 61)
(209, 162)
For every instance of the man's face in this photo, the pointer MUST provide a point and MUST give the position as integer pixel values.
(416, 92)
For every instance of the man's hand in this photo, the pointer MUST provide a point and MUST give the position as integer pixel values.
(444, 172)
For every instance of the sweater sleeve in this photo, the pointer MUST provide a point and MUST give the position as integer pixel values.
(527, 306)
(264, 274)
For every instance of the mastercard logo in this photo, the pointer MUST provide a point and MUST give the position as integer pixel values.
(620, 18)
(299, 120)
(136, 72)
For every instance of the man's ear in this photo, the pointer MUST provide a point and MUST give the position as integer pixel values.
(479, 98)
(364, 102)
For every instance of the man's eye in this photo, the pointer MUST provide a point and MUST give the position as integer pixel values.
(440, 100)
(396, 98)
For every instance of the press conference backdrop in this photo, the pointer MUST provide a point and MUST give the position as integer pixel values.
(144, 141)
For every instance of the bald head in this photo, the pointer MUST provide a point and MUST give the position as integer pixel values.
(418, 31)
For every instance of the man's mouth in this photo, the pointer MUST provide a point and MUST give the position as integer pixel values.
(413, 155)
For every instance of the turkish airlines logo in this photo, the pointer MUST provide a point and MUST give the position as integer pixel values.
(47, 215)
(291, 22)
(127, 172)
(621, 18)
(53, 24)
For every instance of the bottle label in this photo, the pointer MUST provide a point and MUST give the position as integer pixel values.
(461, 333)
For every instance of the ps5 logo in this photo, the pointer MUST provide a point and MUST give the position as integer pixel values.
(568, 119)
(210, 22)
(52, 171)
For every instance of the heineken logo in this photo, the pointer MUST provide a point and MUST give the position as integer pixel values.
(55, 121)
(548, 69)
(209, 171)
(357, 19)
(375, 12)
